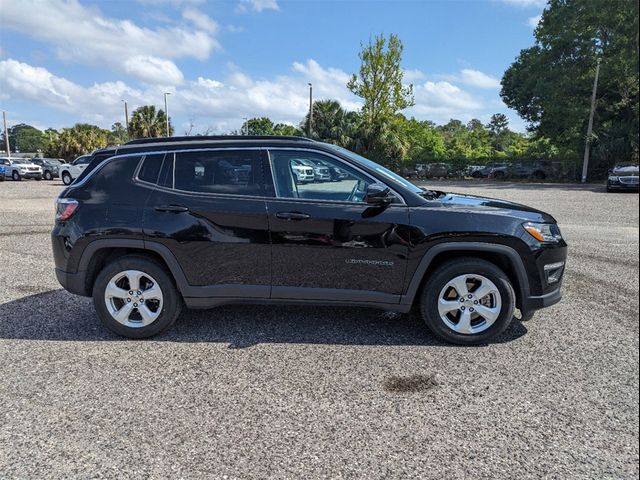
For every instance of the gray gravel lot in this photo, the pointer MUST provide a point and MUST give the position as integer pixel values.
(298, 392)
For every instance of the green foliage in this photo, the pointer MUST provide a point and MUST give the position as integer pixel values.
(550, 84)
(146, 121)
(78, 140)
(118, 134)
(24, 138)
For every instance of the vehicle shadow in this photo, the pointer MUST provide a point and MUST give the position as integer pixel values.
(58, 315)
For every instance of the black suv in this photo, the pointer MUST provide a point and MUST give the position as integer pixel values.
(156, 224)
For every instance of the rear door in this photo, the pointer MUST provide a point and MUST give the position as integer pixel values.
(327, 243)
(208, 209)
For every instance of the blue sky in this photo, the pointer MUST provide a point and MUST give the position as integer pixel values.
(67, 61)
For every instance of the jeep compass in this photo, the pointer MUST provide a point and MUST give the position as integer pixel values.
(156, 225)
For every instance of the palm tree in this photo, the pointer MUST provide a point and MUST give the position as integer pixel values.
(146, 121)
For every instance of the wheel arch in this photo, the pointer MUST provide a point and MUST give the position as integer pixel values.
(503, 256)
(100, 252)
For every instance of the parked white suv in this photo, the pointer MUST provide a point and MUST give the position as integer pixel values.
(70, 171)
(19, 168)
(303, 173)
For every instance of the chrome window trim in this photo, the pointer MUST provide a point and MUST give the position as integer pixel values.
(321, 152)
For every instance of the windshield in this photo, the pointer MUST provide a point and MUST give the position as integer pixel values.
(378, 168)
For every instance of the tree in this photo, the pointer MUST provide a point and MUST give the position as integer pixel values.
(379, 82)
(146, 121)
(498, 125)
(25, 138)
(426, 143)
(78, 140)
(118, 134)
(286, 129)
(550, 84)
(258, 126)
(332, 123)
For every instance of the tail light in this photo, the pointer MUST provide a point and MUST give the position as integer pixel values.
(65, 208)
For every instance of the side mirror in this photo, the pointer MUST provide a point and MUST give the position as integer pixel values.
(378, 194)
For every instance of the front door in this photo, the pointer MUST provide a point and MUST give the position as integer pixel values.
(327, 243)
(209, 211)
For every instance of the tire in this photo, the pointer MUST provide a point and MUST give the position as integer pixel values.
(162, 309)
(500, 303)
(499, 175)
(16, 176)
(539, 175)
(66, 178)
(48, 175)
(38, 178)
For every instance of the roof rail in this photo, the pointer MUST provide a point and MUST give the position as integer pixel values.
(197, 138)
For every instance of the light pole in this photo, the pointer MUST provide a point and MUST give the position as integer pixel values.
(310, 110)
(126, 119)
(6, 134)
(587, 142)
(166, 111)
(245, 129)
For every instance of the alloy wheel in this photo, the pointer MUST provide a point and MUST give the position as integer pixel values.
(133, 298)
(469, 304)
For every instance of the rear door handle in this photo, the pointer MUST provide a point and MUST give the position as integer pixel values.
(292, 216)
(172, 208)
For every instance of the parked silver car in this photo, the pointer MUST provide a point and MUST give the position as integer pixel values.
(19, 168)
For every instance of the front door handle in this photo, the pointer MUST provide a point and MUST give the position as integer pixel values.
(292, 216)
(172, 208)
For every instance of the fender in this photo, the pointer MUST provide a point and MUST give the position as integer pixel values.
(510, 253)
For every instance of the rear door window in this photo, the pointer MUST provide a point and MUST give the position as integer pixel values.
(231, 172)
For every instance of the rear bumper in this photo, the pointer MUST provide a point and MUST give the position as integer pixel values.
(72, 282)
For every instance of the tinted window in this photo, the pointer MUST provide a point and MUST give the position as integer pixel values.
(150, 168)
(223, 171)
(166, 172)
(313, 176)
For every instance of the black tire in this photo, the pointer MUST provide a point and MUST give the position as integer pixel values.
(38, 178)
(66, 178)
(499, 175)
(171, 303)
(539, 175)
(16, 176)
(444, 274)
(48, 175)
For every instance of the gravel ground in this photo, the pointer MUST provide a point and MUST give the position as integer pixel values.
(298, 392)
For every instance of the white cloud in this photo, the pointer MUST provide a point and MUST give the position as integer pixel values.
(153, 70)
(413, 75)
(441, 101)
(534, 21)
(257, 5)
(83, 34)
(478, 79)
(221, 103)
(200, 19)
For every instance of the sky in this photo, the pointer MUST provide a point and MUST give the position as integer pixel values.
(69, 61)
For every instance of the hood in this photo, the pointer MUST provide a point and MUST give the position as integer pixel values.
(19, 163)
(492, 206)
(625, 170)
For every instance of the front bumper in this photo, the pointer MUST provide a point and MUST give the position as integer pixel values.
(533, 303)
(31, 174)
(611, 185)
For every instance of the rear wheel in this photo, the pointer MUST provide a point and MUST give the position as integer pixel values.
(468, 301)
(135, 297)
(66, 178)
(499, 175)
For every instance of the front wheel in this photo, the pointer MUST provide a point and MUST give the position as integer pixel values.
(135, 297)
(468, 301)
(16, 176)
(48, 175)
(66, 178)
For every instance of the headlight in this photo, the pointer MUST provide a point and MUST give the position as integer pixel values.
(613, 178)
(543, 232)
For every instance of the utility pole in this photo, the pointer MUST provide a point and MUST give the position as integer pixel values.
(587, 143)
(310, 110)
(245, 127)
(6, 134)
(126, 119)
(166, 112)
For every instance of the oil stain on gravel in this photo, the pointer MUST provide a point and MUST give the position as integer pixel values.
(410, 384)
